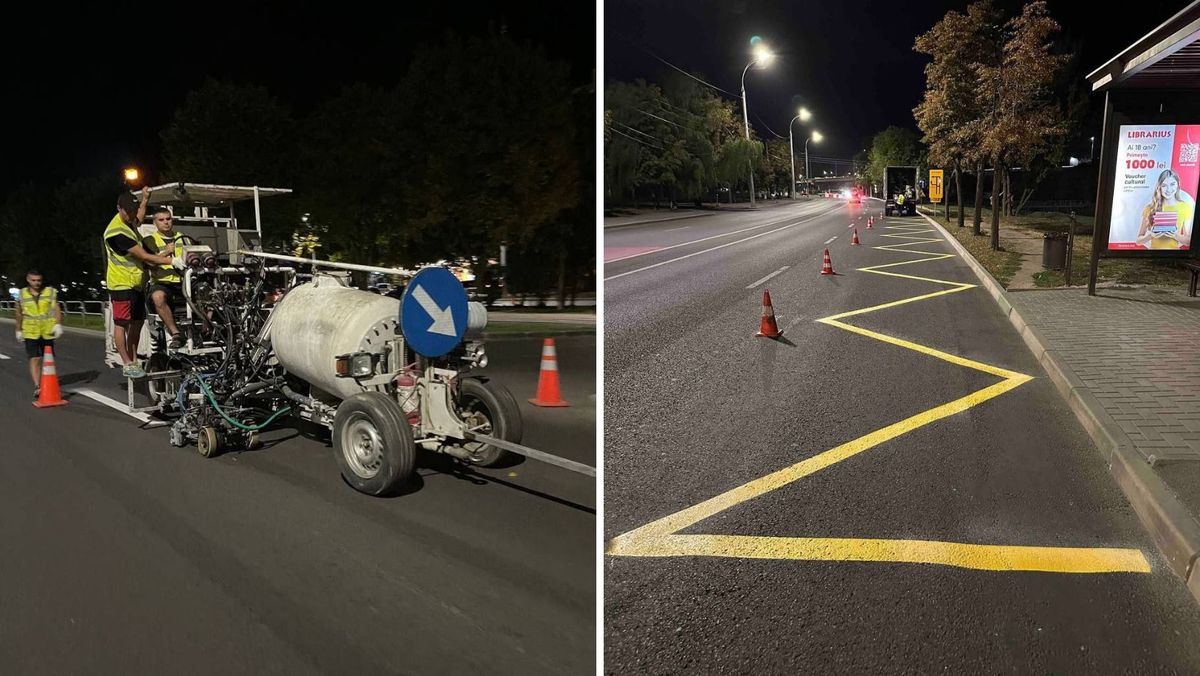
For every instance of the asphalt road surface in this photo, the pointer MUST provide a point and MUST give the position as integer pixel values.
(892, 486)
(125, 555)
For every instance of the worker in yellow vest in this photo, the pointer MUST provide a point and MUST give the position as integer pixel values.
(166, 283)
(125, 277)
(39, 322)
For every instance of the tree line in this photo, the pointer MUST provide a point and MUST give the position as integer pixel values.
(483, 142)
(681, 142)
(998, 95)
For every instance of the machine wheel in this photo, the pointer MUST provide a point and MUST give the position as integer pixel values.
(207, 442)
(373, 443)
(489, 408)
(253, 442)
(157, 388)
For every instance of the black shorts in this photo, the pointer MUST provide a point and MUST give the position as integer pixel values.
(35, 346)
(128, 305)
(174, 292)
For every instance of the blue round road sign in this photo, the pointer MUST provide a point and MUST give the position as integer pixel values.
(433, 312)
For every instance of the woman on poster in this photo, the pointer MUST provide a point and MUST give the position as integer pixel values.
(1159, 230)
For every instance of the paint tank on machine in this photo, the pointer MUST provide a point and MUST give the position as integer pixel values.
(320, 320)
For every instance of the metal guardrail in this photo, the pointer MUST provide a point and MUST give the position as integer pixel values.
(79, 308)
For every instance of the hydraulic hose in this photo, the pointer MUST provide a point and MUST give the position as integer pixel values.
(249, 428)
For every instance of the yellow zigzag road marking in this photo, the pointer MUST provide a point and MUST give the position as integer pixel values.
(661, 538)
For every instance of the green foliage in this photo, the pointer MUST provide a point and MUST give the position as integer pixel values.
(489, 153)
(483, 141)
(57, 230)
(678, 141)
(231, 134)
(891, 147)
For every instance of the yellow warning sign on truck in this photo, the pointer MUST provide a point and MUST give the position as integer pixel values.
(935, 185)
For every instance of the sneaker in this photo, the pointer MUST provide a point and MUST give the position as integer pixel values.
(133, 371)
(177, 341)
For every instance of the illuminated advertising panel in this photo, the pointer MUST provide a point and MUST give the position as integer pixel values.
(1154, 195)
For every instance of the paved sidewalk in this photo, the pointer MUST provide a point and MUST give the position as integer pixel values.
(665, 214)
(652, 217)
(1136, 351)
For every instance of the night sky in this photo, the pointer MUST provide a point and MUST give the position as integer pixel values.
(851, 63)
(88, 88)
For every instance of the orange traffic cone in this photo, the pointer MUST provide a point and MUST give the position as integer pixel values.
(547, 391)
(49, 394)
(854, 239)
(768, 328)
(827, 268)
(870, 222)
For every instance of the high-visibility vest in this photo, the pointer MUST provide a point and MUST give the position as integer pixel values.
(167, 274)
(37, 313)
(123, 272)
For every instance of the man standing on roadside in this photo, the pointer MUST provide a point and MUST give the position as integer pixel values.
(125, 277)
(39, 323)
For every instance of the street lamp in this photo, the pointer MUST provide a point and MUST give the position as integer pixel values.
(816, 136)
(761, 55)
(1092, 149)
(131, 175)
(803, 115)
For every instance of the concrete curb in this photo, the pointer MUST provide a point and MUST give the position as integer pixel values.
(1173, 529)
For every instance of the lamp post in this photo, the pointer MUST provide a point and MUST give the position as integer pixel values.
(763, 56)
(816, 136)
(1092, 149)
(803, 116)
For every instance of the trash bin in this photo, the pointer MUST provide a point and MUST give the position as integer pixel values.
(1054, 250)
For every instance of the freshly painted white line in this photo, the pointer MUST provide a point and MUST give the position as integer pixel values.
(112, 403)
(831, 239)
(679, 228)
(697, 253)
(696, 241)
(768, 276)
(4, 356)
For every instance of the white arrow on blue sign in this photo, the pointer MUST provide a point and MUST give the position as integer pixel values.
(433, 312)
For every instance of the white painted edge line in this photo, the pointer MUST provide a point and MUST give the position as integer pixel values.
(831, 239)
(696, 241)
(113, 404)
(683, 227)
(779, 271)
(4, 356)
(704, 251)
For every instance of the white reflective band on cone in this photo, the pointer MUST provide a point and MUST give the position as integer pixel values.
(548, 365)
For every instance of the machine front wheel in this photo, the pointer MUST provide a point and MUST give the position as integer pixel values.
(489, 408)
(373, 443)
(208, 443)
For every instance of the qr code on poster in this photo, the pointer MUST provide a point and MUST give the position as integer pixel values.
(1187, 151)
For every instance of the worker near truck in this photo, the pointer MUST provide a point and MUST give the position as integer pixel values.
(166, 285)
(125, 277)
(39, 323)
